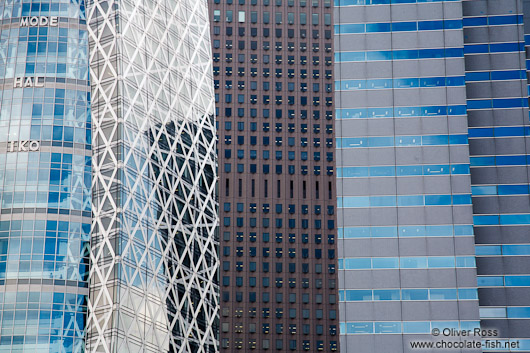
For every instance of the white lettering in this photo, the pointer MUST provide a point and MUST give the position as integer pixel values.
(24, 82)
(28, 82)
(18, 82)
(34, 146)
(39, 81)
(52, 21)
(23, 146)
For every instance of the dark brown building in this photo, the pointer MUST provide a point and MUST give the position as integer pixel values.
(273, 77)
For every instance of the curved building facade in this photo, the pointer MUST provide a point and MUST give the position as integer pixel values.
(153, 279)
(45, 176)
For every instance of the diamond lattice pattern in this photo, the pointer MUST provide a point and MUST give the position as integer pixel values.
(153, 276)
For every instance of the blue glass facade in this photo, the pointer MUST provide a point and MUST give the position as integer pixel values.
(45, 176)
(498, 137)
(433, 127)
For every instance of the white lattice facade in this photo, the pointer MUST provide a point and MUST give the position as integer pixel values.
(153, 276)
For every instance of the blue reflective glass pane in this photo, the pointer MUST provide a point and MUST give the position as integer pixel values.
(387, 294)
(387, 327)
(483, 250)
(517, 281)
(514, 250)
(467, 293)
(416, 327)
(415, 294)
(490, 281)
(441, 262)
(385, 262)
(358, 295)
(442, 294)
(378, 27)
(413, 262)
(358, 263)
(359, 327)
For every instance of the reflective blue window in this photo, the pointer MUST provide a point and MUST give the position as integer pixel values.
(486, 312)
(518, 312)
(387, 327)
(437, 199)
(415, 294)
(387, 294)
(490, 281)
(380, 2)
(416, 327)
(409, 170)
(484, 250)
(406, 231)
(404, 26)
(382, 201)
(378, 27)
(517, 281)
(365, 263)
(475, 21)
(465, 261)
(441, 262)
(400, 54)
(507, 219)
(358, 295)
(382, 171)
(516, 249)
(413, 262)
(430, 25)
(410, 200)
(467, 293)
(442, 294)
(360, 327)
(385, 262)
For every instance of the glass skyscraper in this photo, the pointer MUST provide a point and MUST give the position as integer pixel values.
(143, 149)
(433, 188)
(45, 176)
(153, 279)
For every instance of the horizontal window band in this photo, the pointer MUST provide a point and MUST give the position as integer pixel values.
(503, 250)
(504, 281)
(403, 201)
(489, 161)
(385, 27)
(401, 141)
(405, 231)
(502, 219)
(405, 54)
(400, 112)
(412, 262)
(384, 2)
(388, 83)
(354, 295)
(403, 170)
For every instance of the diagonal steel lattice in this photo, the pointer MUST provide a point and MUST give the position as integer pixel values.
(154, 262)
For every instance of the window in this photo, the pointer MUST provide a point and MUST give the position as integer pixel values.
(303, 18)
(241, 17)
(327, 19)
(266, 18)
